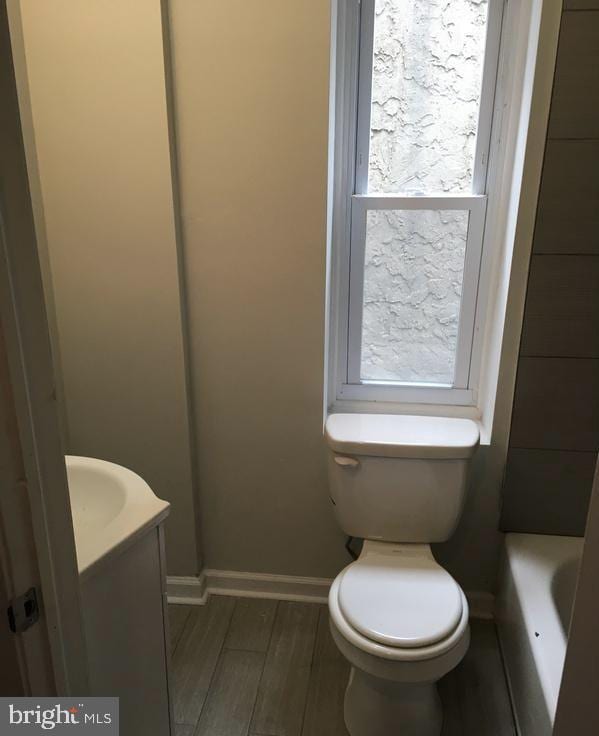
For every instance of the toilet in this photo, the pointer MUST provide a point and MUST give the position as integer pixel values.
(399, 618)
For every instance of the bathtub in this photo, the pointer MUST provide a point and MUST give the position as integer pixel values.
(537, 587)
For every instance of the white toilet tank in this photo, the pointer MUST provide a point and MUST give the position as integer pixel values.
(398, 478)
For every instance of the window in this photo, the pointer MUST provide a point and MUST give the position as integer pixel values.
(412, 196)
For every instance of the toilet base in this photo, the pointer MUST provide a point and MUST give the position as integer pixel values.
(377, 707)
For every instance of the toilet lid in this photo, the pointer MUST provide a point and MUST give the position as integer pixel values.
(400, 602)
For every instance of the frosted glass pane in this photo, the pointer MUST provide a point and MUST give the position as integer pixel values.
(427, 72)
(413, 270)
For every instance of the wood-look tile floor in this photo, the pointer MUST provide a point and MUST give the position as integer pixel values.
(252, 667)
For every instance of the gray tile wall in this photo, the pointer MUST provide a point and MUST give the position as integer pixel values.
(555, 425)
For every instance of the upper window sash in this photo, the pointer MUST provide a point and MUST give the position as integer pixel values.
(366, 58)
(486, 104)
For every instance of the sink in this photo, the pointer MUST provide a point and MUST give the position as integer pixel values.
(111, 507)
(119, 537)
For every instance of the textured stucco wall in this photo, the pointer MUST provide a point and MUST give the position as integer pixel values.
(412, 289)
(427, 70)
(425, 94)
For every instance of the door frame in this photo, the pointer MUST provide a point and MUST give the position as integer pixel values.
(37, 545)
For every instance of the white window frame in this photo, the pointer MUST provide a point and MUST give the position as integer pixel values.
(351, 202)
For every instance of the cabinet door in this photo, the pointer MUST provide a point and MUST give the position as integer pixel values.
(124, 626)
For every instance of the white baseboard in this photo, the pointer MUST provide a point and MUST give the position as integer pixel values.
(262, 585)
(195, 591)
(188, 590)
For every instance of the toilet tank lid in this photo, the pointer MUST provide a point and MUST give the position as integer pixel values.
(400, 435)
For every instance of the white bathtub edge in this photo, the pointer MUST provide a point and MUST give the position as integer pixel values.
(531, 634)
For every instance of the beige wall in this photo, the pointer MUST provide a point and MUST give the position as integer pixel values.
(251, 100)
(251, 109)
(96, 82)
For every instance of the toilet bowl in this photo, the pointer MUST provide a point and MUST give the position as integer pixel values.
(396, 615)
(402, 623)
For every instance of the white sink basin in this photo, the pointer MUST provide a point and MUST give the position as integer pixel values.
(111, 506)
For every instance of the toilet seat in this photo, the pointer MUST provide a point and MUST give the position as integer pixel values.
(397, 602)
(400, 596)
